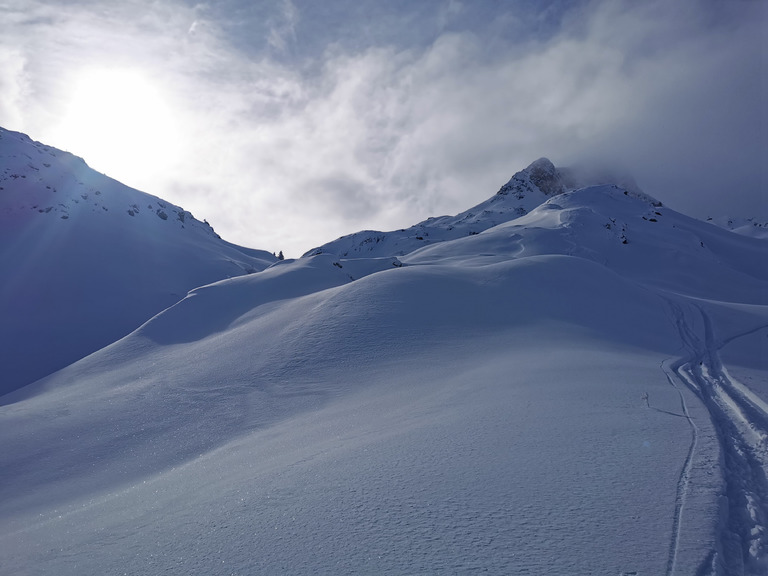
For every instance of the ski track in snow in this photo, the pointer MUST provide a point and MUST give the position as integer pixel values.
(741, 421)
(685, 474)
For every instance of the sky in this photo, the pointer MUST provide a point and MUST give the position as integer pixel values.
(288, 123)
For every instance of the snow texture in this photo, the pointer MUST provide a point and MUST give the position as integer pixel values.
(563, 380)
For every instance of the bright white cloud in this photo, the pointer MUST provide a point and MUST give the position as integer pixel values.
(289, 153)
(13, 84)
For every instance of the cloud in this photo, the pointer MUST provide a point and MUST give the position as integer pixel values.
(13, 85)
(282, 29)
(286, 149)
(696, 139)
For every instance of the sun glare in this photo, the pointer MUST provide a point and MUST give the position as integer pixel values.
(120, 122)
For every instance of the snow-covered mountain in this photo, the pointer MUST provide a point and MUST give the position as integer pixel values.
(526, 190)
(577, 387)
(84, 259)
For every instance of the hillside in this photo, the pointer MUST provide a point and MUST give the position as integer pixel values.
(84, 259)
(575, 389)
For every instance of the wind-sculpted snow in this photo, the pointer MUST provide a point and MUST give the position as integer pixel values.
(84, 259)
(571, 391)
(214, 308)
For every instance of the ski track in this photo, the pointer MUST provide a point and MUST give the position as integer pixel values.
(684, 480)
(741, 423)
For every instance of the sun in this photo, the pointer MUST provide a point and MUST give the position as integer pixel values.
(120, 122)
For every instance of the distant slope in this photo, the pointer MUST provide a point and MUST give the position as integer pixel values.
(632, 235)
(744, 226)
(84, 259)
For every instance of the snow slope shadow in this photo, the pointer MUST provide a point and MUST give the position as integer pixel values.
(217, 307)
(211, 309)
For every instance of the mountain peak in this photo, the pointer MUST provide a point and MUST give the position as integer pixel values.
(546, 177)
(541, 174)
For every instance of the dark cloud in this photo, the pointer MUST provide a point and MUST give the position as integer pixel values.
(338, 194)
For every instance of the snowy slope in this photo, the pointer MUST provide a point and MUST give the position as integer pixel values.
(636, 237)
(415, 420)
(474, 405)
(745, 226)
(84, 259)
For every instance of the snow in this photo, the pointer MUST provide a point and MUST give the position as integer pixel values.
(747, 359)
(406, 477)
(744, 226)
(62, 223)
(524, 192)
(466, 403)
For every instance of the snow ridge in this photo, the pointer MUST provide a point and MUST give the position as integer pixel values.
(525, 191)
(40, 179)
